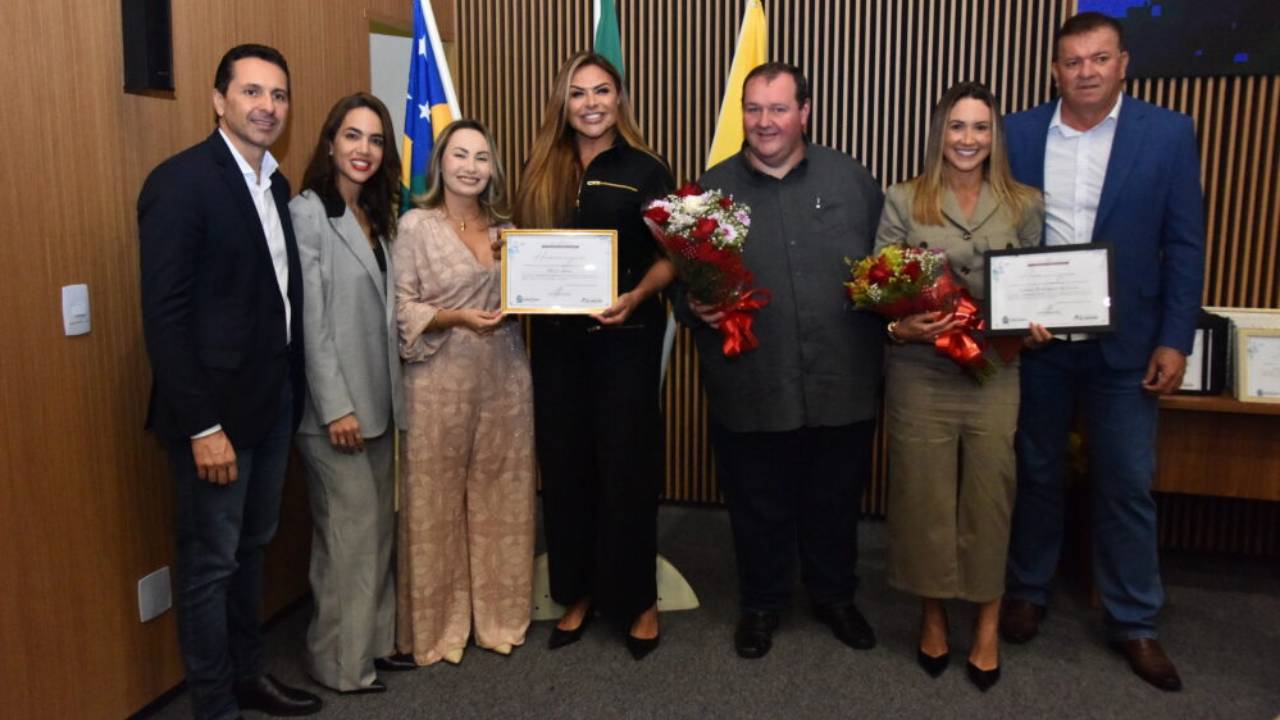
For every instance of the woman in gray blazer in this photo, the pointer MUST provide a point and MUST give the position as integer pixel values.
(344, 219)
(951, 462)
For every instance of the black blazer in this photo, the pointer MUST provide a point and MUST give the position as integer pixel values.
(211, 308)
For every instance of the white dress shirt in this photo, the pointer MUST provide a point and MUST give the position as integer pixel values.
(259, 185)
(1075, 164)
(265, 202)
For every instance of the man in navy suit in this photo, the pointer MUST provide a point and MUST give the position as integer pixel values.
(1117, 170)
(221, 310)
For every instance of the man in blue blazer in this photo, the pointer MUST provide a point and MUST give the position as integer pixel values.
(1117, 170)
(222, 311)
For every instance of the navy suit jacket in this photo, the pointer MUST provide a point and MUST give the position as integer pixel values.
(1151, 211)
(212, 314)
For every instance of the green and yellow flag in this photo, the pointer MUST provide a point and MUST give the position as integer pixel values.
(752, 51)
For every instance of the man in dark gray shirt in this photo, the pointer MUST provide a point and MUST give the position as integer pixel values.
(792, 421)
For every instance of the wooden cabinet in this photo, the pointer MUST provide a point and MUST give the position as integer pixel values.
(1211, 445)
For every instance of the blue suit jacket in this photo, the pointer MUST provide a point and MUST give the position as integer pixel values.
(1151, 211)
(212, 315)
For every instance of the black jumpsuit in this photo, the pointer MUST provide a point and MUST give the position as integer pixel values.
(597, 416)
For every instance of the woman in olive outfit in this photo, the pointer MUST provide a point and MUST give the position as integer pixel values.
(951, 458)
(595, 379)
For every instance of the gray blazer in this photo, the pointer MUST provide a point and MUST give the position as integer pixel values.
(348, 321)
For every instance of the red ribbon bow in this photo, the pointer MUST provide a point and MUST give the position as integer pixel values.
(735, 327)
(964, 343)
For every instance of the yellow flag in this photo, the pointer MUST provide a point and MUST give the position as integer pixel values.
(752, 51)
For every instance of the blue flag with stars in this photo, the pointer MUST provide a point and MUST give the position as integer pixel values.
(428, 106)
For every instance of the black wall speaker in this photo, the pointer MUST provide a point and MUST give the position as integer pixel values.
(148, 45)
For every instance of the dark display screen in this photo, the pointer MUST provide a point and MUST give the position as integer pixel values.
(1183, 38)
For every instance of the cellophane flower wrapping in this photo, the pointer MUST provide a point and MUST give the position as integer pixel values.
(703, 232)
(902, 280)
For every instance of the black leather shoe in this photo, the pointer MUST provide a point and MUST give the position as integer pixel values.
(640, 647)
(266, 694)
(848, 625)
(984, 679)
(374, 687)
(399, 662)
(559, 638)
(754, 635)
(935, 666)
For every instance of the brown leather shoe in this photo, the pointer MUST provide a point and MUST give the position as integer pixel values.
(1149, 662)
(1019, 620)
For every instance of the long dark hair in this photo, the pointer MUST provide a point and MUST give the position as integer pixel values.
(380, 195)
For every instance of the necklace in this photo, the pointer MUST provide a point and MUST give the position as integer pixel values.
(462, 221)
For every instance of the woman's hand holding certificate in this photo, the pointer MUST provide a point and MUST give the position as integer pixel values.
(559, 271)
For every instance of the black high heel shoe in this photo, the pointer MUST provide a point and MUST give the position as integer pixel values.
(559, 638)
(984, 679)
(640, 647)
(935, 666)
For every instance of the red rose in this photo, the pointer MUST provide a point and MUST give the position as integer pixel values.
(879, 274)
(726, 203)
(703, 229)
(912, 270)
(658, 214)
(689, 189)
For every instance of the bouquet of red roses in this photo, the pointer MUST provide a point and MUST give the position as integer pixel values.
(900, 281)
(703, 233)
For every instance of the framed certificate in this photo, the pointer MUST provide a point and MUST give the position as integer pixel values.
(1066, 288)
(559, 272)
(1258, 365)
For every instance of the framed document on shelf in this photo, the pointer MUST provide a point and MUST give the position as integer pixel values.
(1258, 365)
(1066, 288)
(559, 272)
(1207, 364)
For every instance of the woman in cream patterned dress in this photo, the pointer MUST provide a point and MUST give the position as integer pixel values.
(467, 509)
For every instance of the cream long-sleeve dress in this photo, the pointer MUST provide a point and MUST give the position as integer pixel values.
(467, 510)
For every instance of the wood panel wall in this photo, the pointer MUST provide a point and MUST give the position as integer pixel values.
(876, 68)
(85, 500)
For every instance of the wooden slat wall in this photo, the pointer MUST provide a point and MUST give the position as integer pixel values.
(677, 54)
(877, 67)
(1240, 170)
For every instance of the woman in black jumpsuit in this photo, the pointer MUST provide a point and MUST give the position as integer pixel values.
(596, 379)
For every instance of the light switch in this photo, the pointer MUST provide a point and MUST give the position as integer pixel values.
(75, 309)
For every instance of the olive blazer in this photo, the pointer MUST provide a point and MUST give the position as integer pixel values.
(964, 239)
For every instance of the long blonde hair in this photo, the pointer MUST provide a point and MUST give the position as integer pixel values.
(551, 175)
(493, 201)
(1013, 196)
